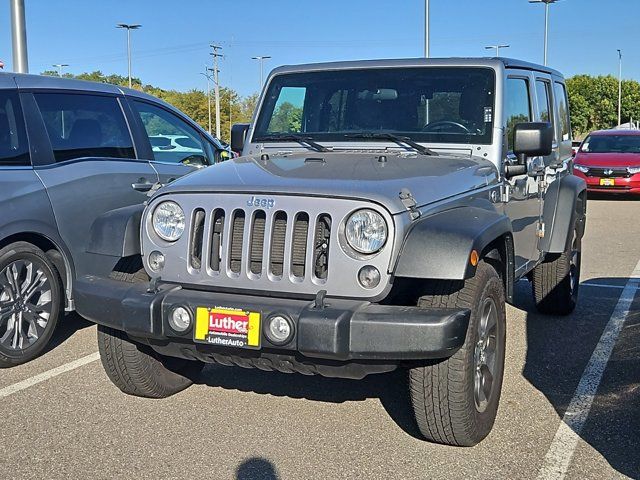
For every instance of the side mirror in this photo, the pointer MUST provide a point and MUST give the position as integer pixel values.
(532, 139)
(238, 136)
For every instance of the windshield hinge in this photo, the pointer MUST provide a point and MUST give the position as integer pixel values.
(406, 197)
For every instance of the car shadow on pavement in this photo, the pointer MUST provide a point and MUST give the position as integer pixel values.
(389, 388)
(256, 468)
(68, 326)
(558, 350)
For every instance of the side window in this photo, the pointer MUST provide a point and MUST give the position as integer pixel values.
(517, 105)
(287, 113)
(82, 126)
(562, 105)
(14, 148)
(172, 139)
(544, 101)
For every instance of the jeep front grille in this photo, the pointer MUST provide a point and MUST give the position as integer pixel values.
(249, 228)
(294, 247)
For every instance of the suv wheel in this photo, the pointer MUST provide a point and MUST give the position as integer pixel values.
(30, 302)
(138, 370)
(455, 401)
(555, 281)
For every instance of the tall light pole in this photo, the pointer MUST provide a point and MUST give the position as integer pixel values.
(619, 87)
(261, 59)
(129, 27)
(546, 24)
(216, 80)
(427, 47)
(206, 74)
(60, 66)
(19, 37)
(497, 47)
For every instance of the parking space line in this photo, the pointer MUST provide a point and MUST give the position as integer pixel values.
(558, 458)
(54, 372)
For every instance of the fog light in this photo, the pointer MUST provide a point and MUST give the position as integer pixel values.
(156, 261)
(279, 330)
(369, 276)
(180, 319)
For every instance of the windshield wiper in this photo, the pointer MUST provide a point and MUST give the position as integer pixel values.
(289, 137)
(394, 138)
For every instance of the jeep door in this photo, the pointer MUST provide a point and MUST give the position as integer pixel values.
(87, 162)
(523, 207)
(173, 145)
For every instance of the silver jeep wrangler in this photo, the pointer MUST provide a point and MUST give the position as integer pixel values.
(378, 219)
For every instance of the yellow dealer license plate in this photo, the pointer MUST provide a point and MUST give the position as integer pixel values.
(227, 327)
(607, 182)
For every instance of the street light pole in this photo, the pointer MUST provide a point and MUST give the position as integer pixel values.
(546, 24)
(497, 47)
(19, 37)
(206, 74)
(619, 87)
(129, 27)
(261, 59)
(427, 52)
(60, 66)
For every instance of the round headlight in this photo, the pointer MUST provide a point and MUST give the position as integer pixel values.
(168, 221)
(366, 231)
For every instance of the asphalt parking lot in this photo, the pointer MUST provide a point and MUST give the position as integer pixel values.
(71, 422)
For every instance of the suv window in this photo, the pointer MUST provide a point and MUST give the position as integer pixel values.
(563, 109)
(14, 148)
(517, 105)
(172, 139)
(287, 113)
(81, 126)
(544, 101)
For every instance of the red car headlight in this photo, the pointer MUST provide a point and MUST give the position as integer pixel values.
(581, 168)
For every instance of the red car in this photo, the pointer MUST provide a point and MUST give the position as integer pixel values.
(609, 161)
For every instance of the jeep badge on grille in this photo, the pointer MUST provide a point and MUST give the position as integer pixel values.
(261, 202)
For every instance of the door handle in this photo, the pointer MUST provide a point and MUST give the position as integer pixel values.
(142, 187)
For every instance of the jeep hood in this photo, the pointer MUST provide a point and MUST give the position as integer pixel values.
(340, 174)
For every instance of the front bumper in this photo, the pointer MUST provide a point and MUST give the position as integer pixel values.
(348, 338)
(621, 184)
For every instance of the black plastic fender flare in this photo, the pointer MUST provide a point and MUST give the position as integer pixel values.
(439, 246)
(117, 232)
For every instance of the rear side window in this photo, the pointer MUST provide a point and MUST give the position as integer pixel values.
(14, 148)
(562, 104)
(517, 105)
(81, 126)
(544, 101)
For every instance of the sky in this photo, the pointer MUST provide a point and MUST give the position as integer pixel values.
(172, 47)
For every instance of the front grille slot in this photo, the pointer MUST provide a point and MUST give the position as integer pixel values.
(257, 242)
(216, 239)
(321, 239)
(237, 237)
(299, 244)
(278, 241)
(195, 240)
(615, 172)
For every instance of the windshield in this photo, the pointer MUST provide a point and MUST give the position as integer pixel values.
(611, 144)
(427, 104)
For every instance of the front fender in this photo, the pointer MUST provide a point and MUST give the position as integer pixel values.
(439, 246)
(564, 201)
(117, 232)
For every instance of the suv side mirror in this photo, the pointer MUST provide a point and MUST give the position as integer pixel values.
(238, 136)
(532, 139)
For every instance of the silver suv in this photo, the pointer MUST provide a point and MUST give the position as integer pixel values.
(378, 219)
(70, 152)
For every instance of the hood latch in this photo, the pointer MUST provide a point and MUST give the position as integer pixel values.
(406, 197)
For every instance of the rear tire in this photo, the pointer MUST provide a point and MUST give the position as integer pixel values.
(555, 281)
(138, 370)
(31, 303)
(454, 400)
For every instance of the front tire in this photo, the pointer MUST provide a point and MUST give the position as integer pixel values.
(138, 370)
(31, 303)
(455, 401)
